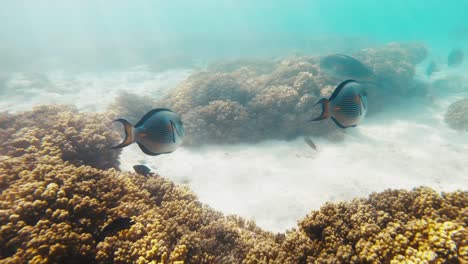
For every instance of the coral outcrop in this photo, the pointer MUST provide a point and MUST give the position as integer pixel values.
(420, 226)
(131, 106)
(80, 138)
(51, 210)
(457, 115)
(254, 100)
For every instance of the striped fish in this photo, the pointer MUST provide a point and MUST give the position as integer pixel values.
(347, 106)
(160, 131)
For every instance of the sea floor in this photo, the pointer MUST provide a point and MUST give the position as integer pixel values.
(276, 183)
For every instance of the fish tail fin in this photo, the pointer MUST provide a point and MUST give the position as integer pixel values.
(129, 133)
(325, 109)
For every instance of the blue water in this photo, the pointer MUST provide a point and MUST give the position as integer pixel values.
(110, 34)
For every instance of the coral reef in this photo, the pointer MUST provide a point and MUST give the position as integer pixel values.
(389, 227)
(53, 206)
(273, 99)
(457, 115)
(80, 138)
(51, 212)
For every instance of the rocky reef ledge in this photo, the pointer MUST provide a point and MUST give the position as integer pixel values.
(59, 188)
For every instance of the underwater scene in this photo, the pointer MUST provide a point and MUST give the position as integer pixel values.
(222, 131)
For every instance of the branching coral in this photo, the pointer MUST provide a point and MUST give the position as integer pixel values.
(457, 115)
(392, 226)
(80, 138)
(52, 211)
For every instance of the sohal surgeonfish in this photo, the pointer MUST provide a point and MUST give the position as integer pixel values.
(455, 58)
(345, 67)
(347, 106)
(160, 131)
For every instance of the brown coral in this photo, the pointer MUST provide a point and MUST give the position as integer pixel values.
(419, 225)
(53, 211)
(80, 138)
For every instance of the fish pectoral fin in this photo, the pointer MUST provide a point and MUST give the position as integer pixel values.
(147, 151)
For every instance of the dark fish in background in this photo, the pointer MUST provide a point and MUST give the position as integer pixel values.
(455, 58)
(347, 106)
(160, 131)
(345, 67)
(310, 143)
(431, 68)
(119, 224)
(142, 170)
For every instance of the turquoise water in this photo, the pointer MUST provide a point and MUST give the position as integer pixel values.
(107, 34)
(245, 77)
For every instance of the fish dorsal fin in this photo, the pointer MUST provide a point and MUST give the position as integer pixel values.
(149, 114)
(147, 151)
(338, 89)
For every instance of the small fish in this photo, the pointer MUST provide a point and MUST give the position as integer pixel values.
(347, 106)
(310, 143)
(119, 224)
(431, 68)
(142, 170)
(345, 67)
(455, 58)
(160, 131)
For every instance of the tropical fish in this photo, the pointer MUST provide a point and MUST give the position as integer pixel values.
(142, 170)
(347, 106)
(160, 131)
(345, 67)
(310, 143)
(431, 68)
(455, 58)
(118, 224)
